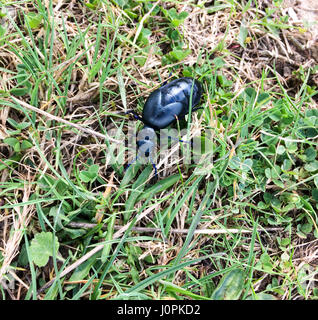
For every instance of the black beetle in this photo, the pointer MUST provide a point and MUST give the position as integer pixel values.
(163, 107)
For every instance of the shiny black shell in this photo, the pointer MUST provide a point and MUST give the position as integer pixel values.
(170, 101)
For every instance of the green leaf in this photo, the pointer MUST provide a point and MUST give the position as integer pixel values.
(141, 60)
(85, 176)
(23, 257)
(11, 141)
(2, 14)
(175, 18)
(268, 173)
(14, 143)
(160, 186)
(247, 165)
(89, 175)
(176, 22)
(261, 296)
(311, 166)
(3, 31)
(266, 262)
(224, 82)
(34, 19)
(122, 88)
(249, 94)
(316, 181)
(137, 190)
(157, 276)
(263, 98)
(267, 197)
(287, 164)
(311, 154)
(20, 91)
(18, 125)
(121, 3)
(275, 172)
(26, 144)
(183, 15)
(93, 169)
(144, 36)
(279, 183)
(11, 161)
(312, 113)
(218, 62)
(230, 286)
(179, 53)
(109, 236)
(218, 7)
(172, 13)
(92, 4)
(242, 35)
(262, 205)
(82, 270)
(290, 145)
(22, 76)
(235, 163)
(174, 35)
(42, 247)
(130, 174)
(280, 149)
(275, 115)
(306, 228)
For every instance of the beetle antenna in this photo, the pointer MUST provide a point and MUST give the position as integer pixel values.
(165, 82)
(136, 116)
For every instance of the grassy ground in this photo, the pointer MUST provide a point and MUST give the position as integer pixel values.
(75, 225)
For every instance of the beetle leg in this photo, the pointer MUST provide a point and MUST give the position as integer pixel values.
(197, 108)
(130, 163)
(180, 140)
(154, 166)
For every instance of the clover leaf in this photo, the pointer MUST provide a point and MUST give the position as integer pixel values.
(89, 175)
(43, 246)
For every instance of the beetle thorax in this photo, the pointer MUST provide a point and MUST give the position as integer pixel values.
(146, 141)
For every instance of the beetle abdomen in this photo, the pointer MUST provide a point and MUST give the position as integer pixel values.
(179, 90)
(171, 101)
